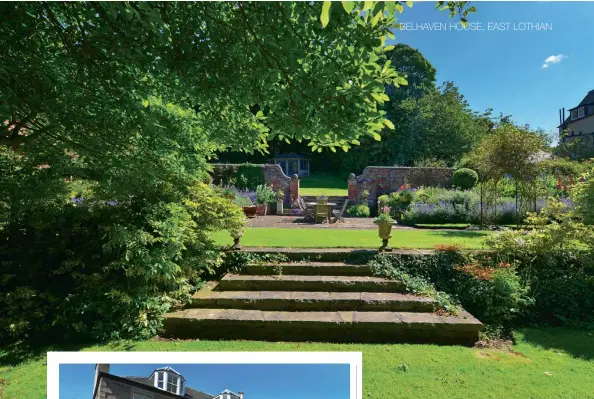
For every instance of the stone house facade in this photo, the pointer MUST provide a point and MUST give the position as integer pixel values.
(579, 124)
(163, 383)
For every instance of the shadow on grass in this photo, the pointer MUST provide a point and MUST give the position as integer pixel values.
(17, 353)
(459, 234)
(577, 343)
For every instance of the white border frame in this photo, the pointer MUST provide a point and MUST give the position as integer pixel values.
(354, 359)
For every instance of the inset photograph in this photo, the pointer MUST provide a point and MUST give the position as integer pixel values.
(166, 380)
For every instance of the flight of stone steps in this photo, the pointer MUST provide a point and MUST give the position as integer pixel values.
(316, 301)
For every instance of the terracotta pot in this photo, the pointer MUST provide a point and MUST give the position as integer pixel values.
(385, 233)
(249, 211)
(261, 209)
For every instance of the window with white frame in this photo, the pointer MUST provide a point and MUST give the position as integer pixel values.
(172, 383)
(581, 112)
(160, 378)
(574, 114)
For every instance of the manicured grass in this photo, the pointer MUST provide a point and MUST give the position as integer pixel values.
(342, 238)
(546, 363)
(323, 184)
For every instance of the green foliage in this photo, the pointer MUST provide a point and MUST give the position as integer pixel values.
(244, 176)
(249, 177)
(98, 271)
(393, 267)
(464, 179)
(583, 195)
(556, 261)
(499, 300)
(509, 150)
(359, 211)
(80, 101)
(243, 201)
(235, 261)
(264, 194)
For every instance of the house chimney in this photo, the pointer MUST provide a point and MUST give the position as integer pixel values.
(240, 395)
(99, 368)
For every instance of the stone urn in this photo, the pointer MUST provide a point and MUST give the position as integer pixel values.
(236, 235)
(279, 207)
(385, 233)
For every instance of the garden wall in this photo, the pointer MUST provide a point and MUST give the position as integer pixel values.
(380, 180)
(273, 176)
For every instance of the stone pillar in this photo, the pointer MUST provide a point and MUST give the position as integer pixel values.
(294, 188)
(352, 186)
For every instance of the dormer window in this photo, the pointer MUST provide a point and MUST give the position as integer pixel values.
(581, 111)
(574, 114)
(173, 383)
(169, 380)
(160, 379)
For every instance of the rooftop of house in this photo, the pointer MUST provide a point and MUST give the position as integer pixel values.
(190, 393)
(161, 376)
(588, 100)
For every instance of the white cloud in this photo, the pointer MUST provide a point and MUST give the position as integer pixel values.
(553, 59)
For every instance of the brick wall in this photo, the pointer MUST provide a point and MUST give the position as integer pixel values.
(380, 180)
(273, 176)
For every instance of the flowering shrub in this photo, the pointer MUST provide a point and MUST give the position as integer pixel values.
(495, 294)
(556, 261)
(384, 215)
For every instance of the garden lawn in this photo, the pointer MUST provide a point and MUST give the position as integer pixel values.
(343, 238)
(546, 363)
(323, 184)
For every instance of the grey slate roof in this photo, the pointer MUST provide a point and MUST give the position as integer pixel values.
(190, 392)
(589, 99)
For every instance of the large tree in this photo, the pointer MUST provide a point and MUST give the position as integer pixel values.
(129, 101)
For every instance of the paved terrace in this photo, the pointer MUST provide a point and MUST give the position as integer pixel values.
(297, 221)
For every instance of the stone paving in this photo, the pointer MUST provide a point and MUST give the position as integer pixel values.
(297, 221)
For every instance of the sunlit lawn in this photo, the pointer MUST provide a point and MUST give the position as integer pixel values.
(323, 184)
(343, 238)
(544, 364)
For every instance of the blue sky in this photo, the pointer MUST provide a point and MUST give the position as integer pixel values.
(257, 381)
(503, 69)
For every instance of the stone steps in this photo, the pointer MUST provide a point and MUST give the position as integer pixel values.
(347, 326)
(328, 301)
(318, 301)
(235, 282)
(310, 268)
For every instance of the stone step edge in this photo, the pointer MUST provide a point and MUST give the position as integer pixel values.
(308, 278)
(311, 268)
(305, 263)
(304, 300)
(299, 282)
(405, 320)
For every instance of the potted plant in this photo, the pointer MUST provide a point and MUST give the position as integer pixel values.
(264, 195)
(384, 222)
(280, 195)
(246, 204)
